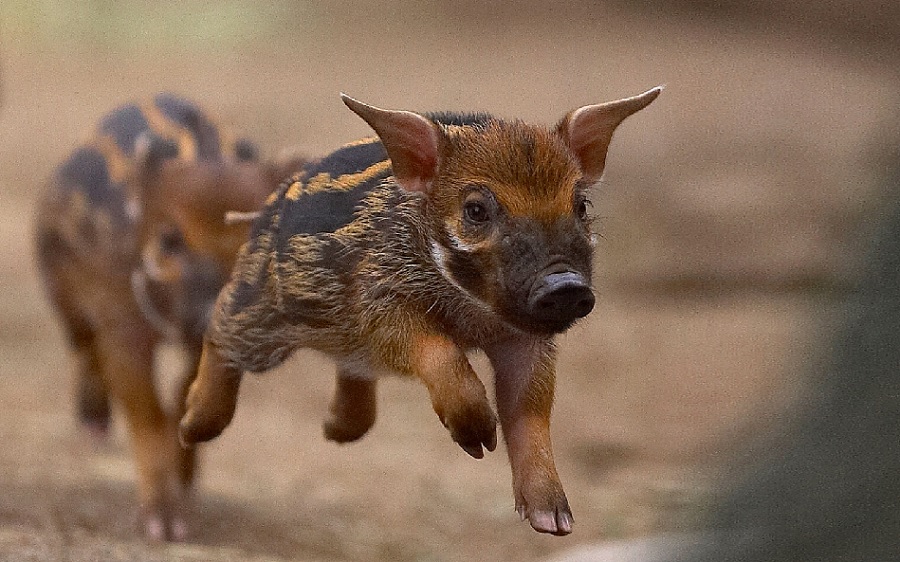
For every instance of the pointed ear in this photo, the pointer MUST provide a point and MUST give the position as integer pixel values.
(150, 151)
(284, 165)
(588, 130)
(245, 150)
(412, 143)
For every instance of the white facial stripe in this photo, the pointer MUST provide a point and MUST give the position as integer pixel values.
(151, 266)
(461, 245)
(458, 244)
(133, 209)
(156, 319)
(440, 260)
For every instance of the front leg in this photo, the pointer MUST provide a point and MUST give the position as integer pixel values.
(525, 376)
(211, 398)
(457, 394)
(126, 359)
(188, 454)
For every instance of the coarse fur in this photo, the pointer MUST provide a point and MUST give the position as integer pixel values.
(400, 253)
(133, 248)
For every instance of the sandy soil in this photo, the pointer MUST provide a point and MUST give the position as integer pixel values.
(731, 208)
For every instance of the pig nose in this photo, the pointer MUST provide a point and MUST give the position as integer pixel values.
(561, 298)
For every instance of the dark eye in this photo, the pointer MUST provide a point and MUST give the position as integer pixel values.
(171, 242)
(476, 212)
(581, 209)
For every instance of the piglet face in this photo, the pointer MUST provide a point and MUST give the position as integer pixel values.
(188, 247)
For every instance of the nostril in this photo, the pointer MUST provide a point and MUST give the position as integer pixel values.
(546, 303)
(584, 305)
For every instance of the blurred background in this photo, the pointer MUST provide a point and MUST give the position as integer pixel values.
(732, 213)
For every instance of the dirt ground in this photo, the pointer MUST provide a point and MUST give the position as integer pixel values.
(731, 210)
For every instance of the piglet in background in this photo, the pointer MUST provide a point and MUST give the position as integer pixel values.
(133, 247)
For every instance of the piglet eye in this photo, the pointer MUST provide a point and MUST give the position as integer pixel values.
(581, 209)
(171, 242)
(476, 212)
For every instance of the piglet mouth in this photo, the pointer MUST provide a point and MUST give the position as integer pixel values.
(196, 321)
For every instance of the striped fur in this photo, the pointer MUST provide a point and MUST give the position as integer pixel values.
(133, 248)
(401, 253)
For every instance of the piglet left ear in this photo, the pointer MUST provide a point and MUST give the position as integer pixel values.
(412, 142)
(150, 152)
(588, 130)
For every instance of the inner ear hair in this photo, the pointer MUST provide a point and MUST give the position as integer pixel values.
(588, 130)
(412, 142)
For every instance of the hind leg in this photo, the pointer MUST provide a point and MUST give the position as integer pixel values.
(353, 408)
(92, 398)
(127, 361)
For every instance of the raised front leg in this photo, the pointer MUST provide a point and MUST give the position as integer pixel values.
(353, 407)
(211, 399)
(525, 378)
(457, 394)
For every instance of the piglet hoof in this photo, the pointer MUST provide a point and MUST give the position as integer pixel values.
(203, 424)
(340, 431)
(211, 398)
(196, 428)
(161, 528)
(96, 431)
(474, 430)
(178, 530)
(209, 410)
(553, 520)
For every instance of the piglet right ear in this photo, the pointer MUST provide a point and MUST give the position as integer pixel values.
(245, 150)
(588, 130)
(411, 140)
(284, 165)
(150, 151)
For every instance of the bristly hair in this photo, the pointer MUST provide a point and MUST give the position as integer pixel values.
(478, 118)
